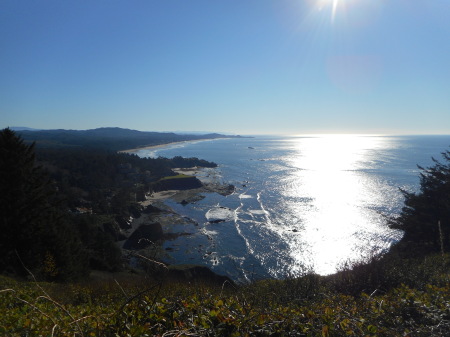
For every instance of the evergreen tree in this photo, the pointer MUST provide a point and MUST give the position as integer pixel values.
(33, 232)
(425, 218)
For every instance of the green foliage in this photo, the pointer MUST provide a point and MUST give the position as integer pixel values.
(381, 273)
(306, 306)
(107, 182)
(100, 247)
(34, 234)
(180, 162)
(425, 219)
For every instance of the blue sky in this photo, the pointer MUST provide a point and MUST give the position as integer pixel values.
(239, 66)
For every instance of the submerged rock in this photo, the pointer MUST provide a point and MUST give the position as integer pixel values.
(216, 221)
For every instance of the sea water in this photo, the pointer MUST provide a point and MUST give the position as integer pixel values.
(301, 204)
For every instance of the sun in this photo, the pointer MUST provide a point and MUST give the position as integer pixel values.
(334, 4)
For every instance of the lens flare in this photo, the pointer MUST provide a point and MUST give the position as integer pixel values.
(334, 4)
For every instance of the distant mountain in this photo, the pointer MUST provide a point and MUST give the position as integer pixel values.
(108, 138)
(23, 128)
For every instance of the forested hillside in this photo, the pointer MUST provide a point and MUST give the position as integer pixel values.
(63, 208)
(113, 139)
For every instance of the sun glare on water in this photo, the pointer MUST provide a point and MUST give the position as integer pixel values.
(336, 220)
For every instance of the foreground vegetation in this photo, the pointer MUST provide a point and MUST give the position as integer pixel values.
(305, 306)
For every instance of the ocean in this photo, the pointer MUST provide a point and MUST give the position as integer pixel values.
(302, 204)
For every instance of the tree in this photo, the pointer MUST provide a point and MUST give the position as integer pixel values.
(425, 218)
(33, 231)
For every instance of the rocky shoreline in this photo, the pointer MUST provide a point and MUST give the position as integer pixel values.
(147, 233)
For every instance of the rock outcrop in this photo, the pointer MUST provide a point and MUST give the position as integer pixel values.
(144, 235)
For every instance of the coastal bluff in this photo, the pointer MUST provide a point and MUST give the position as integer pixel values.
(177, 182)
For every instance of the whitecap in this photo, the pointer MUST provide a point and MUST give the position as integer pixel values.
(257, 211)
(245, 196)
(208, 232)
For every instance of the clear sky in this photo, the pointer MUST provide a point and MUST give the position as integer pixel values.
(240, 66)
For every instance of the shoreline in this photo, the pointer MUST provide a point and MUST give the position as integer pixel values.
(159, 146)
(174, 224)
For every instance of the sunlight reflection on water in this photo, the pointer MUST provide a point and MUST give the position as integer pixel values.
(335, 223)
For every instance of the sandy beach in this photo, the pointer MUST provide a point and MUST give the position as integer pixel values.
(159, 146)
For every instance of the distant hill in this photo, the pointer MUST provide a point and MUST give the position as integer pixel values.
(108, 138)
(23, 128)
